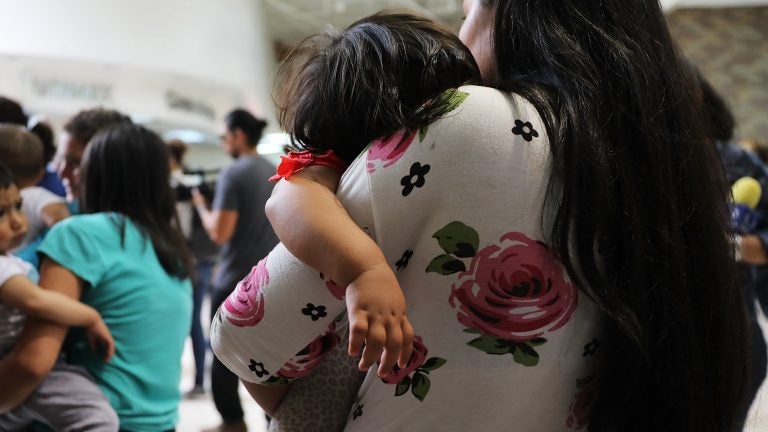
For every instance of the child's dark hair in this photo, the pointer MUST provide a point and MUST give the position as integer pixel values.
(6, 178)
(113, 182)
(22, 152)
(383, 73)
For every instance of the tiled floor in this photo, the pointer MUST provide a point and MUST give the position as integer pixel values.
(199, 414)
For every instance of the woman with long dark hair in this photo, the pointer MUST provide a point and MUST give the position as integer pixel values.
(561, 239)
(125, 257)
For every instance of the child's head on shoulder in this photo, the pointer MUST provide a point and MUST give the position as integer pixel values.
(339, 90)
(13, 223)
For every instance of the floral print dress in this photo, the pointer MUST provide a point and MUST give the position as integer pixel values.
(504, 339)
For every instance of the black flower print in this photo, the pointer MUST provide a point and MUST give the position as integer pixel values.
(415, 178)
(591, 348)
(358, 412)
(403, 261)
(258, 368)
(525, 129)
(315, 312)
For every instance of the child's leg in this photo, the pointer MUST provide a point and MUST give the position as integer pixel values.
(322, 400)
(16, 420)
(68, 400)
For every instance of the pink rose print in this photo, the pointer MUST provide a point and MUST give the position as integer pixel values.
(515, 291)
(581, 406)
(307, 359)
(245, 306)
(385, 152)
(336, 291)
(415, 375)
(417, 359)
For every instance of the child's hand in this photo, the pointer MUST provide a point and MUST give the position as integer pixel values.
(99, 337)
(376, 308)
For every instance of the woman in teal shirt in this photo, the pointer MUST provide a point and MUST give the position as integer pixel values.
(125, 257)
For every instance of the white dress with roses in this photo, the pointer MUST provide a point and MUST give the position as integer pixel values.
(504, 340)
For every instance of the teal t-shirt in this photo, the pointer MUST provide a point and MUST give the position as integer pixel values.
(148, 312)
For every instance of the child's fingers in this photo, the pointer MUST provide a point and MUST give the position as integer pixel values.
(109, 350)
(358, 329)
(392, 349)
(405, 354)
(374, 343)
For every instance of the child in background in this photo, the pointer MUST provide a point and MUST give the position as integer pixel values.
(23, 154)
(67, 400)
(356, 70)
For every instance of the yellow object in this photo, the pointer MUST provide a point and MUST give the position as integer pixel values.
(746, 191)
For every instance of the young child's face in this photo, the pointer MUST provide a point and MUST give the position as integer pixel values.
(13, 223)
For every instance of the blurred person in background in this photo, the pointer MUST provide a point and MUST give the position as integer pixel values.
(125, 257)
(78, 131)
(750, 238)
(23, 152)
(50, 180)
(204, 253)
(237, 222)
(52, 402)
(12, 112)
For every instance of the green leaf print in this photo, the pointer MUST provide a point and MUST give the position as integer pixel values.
(492, 345)
(423, 133)
(536, 342)
(403, 386)
(451, 99)
(432, 363)
(420, 386)
(445, 265)
(458, 239)
(525, 355)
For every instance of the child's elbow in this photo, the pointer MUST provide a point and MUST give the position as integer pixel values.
(270, 209)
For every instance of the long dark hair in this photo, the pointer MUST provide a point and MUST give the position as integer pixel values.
(383, 73)
(125, 170)
(641, 210)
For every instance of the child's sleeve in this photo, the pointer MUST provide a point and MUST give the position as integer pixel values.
(9, 268)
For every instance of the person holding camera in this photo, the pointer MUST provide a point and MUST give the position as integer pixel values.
(237, 222)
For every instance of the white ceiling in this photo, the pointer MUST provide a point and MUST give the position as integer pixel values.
(289, 21)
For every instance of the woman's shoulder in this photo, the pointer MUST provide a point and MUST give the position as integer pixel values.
(95, 225)
(477, 107)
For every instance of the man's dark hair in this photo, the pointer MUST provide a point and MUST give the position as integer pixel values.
(85, 124)
(251, 126)
(12, 112)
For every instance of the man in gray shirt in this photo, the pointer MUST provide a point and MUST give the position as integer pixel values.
(237, 222)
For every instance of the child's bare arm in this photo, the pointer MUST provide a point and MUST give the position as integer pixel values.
(315, 227)
(21, 293)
